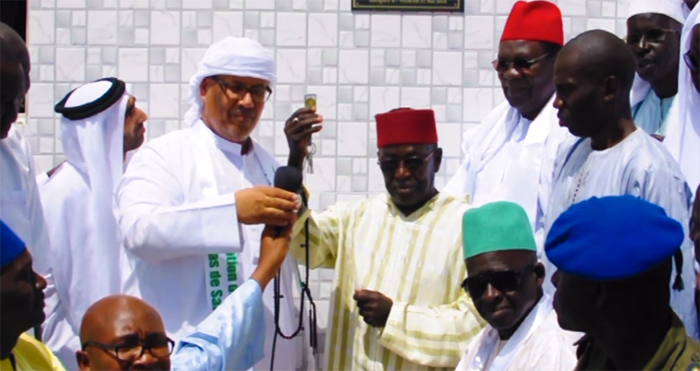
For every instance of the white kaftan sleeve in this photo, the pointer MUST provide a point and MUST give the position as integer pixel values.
(231, 338)
(158, 224)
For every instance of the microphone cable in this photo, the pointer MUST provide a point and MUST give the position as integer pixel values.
(305, 291)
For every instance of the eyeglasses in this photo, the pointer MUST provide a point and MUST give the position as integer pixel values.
(691, 62)
(413, 163)
(131, 352)
(520, 64)
(655, 35)
(258, 93)
(504, 281)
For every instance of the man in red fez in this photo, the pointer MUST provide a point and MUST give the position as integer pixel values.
(509, 156)
(395, 304)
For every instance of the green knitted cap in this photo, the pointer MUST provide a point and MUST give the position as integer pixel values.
(497, 226)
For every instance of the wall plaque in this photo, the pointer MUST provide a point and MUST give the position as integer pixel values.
(410, 5)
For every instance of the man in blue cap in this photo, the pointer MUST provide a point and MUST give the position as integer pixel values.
(505, 282)
(21, 308)
(613, 256)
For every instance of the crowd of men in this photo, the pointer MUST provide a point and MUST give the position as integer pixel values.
(568, 238)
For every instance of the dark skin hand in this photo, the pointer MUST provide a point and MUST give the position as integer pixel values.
(374, 307)
(298, 129)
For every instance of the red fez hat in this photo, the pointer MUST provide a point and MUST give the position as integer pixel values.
(535, 21)
(406, 126)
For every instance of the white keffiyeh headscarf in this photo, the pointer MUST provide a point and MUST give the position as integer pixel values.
(236, 56)
(683, 139)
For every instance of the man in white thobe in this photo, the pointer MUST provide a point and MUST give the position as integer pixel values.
(193, 202)
(683, 139)
(593, 74)
(100, 123)
(510, 154)
(20, 204)
(653, 35)
(505, 281)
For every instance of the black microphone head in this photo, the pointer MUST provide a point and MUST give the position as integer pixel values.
(288, 178)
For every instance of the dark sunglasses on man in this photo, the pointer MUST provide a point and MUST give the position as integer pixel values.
(131, 351)
(503, 281)
(411, 163)
(520, 64)
(654, 35)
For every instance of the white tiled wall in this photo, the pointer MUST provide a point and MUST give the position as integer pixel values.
(358, 64)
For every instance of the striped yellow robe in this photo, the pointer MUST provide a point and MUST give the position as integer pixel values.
(415, 260)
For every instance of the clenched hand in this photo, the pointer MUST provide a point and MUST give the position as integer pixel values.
(374, 307)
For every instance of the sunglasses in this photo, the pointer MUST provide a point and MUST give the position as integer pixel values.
(503, 281)
(691, 62)
(130, 352)
(258, 93)
(655, 35)
(520, 64)
(413, 163)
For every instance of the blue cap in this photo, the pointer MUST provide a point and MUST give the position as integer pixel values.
(10, 245)
(612, 238)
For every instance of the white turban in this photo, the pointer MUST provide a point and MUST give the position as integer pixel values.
(235, 56)
(675, 9)
(683, 138)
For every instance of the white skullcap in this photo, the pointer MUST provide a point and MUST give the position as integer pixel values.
(672, 8)
(237, 56)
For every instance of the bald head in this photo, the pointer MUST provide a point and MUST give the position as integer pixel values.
(593, 75)
(14, 45)
(106, 315)
(13, 82)
(601, 54)
(126, 322)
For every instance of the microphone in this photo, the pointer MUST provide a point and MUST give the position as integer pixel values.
(290, 179)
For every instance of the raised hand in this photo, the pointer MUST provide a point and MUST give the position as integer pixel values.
(298, 129)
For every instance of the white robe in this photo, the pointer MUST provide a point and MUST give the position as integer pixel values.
(683, 138)
(20, 204)
(639, 166)
(538, 344)
(511, 158)
(87, 256)
(177, 206)
(653, 114)
(22, 211)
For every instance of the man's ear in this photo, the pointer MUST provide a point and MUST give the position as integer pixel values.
(539, 273)
(611, 89)
(204, 87)
(83, 360)
(437, 160)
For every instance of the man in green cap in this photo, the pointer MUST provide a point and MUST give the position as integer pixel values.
(505, 282)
